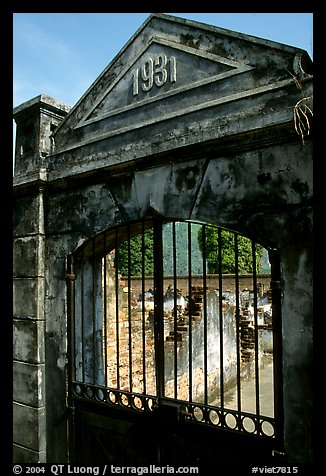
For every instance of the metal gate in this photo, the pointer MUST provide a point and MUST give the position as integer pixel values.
(174, 346)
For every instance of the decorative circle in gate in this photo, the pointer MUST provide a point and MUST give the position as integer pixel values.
(248, 424)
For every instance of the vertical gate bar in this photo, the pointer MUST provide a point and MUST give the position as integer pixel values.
(117, 303)
(254, 277)
(276, 289)
(220, 297)
(105, 313)
(205, 316)
(174, 248)
(143, 303)
(237, 316)
(82, 314)
(70, 277)
(94, 312)
(190, 307)
(158, 308)
(129, 308)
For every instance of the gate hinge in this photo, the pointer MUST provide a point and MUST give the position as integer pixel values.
(276, 284)
(70, 409)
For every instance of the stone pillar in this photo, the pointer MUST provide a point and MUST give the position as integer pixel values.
(28, 308)
(297, 321)
(35, 121)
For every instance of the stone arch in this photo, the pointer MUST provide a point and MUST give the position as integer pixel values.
(247, 192)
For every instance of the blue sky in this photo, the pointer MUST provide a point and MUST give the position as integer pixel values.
(61, 54)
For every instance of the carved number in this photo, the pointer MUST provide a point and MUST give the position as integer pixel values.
(156, 70)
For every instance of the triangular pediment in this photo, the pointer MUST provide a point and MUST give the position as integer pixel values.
(174, 68)
(161, 70)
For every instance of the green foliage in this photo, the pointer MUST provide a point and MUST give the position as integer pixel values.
(136, 252)
(224, 246)
(182, 246)
(182, 261)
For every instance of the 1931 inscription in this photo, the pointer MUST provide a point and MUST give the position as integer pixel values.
(157, 70)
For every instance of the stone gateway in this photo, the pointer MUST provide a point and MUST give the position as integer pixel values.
(190, 126)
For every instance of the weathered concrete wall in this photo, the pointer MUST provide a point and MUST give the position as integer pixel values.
(297, 365)
(35, 122)
(233, 159)
(71, 219)
(29, 417)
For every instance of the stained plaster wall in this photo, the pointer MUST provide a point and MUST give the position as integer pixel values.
(74, 216)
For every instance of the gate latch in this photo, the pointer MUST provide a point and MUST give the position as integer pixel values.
(172, 411)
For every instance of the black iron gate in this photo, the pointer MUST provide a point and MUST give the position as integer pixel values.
(174, 346)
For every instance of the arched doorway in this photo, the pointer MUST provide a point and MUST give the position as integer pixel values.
(175, 343)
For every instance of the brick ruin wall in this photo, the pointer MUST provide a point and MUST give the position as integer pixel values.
(132, 368)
